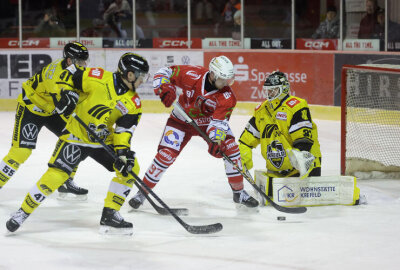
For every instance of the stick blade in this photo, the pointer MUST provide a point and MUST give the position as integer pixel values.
(294, 210)
(206, 229)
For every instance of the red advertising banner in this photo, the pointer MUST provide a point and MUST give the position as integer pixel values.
(316, 44)
(176, 43)
(310, 73)
(28, 43)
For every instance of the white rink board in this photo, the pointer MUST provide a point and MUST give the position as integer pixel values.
(157, 60)
(20, 65)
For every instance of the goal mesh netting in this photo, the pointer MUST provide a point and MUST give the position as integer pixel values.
(370, 119)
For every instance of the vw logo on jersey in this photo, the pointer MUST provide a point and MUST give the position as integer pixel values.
(71, 154)
(276, 154)
(171, 137)
(30, 131)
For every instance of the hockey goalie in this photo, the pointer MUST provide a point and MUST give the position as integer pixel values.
(282, 124)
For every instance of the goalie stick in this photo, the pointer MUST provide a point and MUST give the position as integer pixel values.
(246, 174)
(201, 229)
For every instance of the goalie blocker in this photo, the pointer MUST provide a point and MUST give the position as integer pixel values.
(311, 191)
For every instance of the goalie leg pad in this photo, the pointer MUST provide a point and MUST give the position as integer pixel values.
(316, 191)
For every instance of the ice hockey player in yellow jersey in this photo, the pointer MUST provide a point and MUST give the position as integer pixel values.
(44, 103)
(110, 106)
(282, 124)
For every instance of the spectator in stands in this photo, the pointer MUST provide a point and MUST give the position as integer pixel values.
(237, 21)
(50, 25)
(330, 27)
(225, 25)
(379, 28)
(369, 21)
(117, 11)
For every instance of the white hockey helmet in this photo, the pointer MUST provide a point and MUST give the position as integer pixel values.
(222, 68)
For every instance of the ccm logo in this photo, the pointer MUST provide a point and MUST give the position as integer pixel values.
(175, 43)
(316, 44)
(25, 43)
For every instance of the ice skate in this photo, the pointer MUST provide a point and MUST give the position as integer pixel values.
(112, 223)
(69, 191)
(242, 198)
(16, 220)
(137, 200)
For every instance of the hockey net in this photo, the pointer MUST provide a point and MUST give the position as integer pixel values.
(370, 121)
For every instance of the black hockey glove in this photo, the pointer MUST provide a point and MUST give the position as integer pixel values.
(67, 103)
(125, 162)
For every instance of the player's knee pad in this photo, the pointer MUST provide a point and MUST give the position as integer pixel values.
(166, 156)
(19, 155)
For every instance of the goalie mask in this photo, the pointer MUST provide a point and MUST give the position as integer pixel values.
(77, 52)
(276, 86)
(136, 64)
(222, 69)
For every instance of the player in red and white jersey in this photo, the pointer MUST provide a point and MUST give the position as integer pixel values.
(209, 100)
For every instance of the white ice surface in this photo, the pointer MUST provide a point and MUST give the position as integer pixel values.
(64, 235)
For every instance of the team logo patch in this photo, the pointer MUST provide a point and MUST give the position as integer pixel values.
(96, 73)
(292, 102)
(137, 101)
(172, 138)
(101, 131)
(72, 154)
(30, 131)
(193, 74)
(276, 154)
(281, 116)
(121, 107)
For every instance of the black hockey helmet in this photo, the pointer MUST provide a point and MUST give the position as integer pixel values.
(76, 52)
(276, 85)
(133, 62)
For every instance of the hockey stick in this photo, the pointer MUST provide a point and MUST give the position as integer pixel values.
(245, 174)
(203, 229)
(160, 210)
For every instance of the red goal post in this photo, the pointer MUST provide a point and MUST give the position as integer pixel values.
(370, 119)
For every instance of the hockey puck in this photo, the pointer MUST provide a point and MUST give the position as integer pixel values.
(281, 218)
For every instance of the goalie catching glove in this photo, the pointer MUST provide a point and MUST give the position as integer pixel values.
(125, 162)
(303, 161)
(67, 103)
